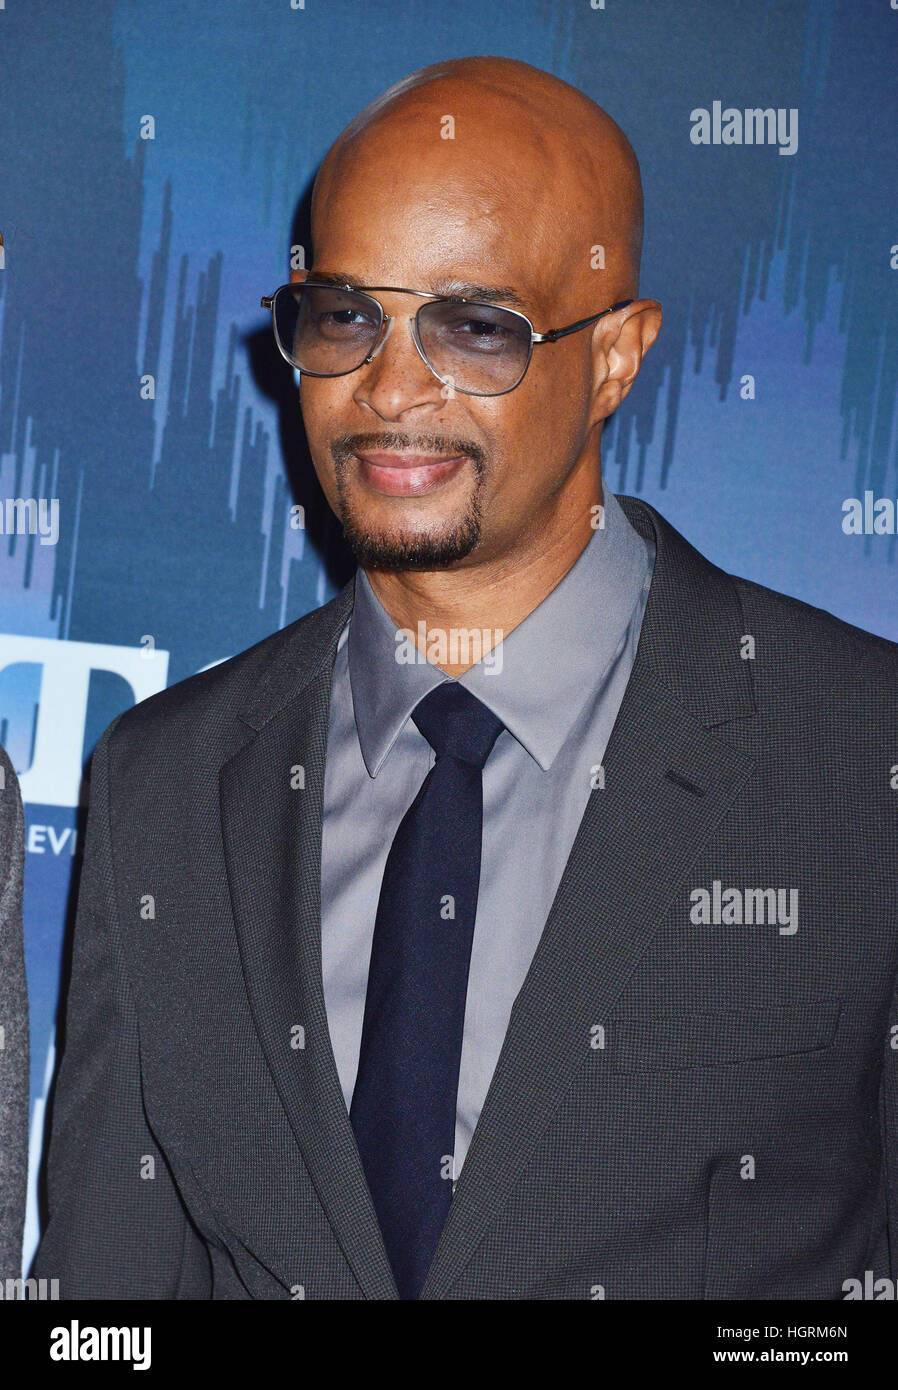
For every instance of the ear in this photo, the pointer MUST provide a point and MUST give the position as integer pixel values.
(619, 344)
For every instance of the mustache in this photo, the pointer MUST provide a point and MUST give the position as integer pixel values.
(345, 445)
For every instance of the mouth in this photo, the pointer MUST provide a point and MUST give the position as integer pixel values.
(408, 474)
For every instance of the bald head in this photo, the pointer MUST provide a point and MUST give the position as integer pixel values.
(495, 138)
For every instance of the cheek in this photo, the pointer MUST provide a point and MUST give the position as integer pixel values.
(326, 409)
(320, 402)
(537, 431)
(319, 416)
(561, 414)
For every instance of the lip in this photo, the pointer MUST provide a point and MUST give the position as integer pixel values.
(408, 474)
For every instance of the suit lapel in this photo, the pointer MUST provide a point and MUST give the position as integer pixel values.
(668, 781)
(272, 839)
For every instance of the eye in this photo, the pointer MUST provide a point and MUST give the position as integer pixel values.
(336, 322)
(480, 328)
(476, 334)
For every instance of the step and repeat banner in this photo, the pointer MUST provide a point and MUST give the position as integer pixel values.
(158, 510)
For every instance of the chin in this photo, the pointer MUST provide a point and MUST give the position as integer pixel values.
(410, 550)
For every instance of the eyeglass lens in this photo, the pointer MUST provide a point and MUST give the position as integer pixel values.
(479, 348)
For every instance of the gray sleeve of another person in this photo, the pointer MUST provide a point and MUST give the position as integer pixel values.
(13, 1026)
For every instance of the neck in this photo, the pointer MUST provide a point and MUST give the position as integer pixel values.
(458, 615)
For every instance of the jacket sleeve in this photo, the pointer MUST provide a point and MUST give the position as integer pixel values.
(13, 1027)
(888, 1113)
(117, 1227)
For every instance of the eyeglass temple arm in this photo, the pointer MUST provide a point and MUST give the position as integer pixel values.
(554, 333)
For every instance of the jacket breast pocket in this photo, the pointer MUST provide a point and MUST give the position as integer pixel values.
(711, 1038)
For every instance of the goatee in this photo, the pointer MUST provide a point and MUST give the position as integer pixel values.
(431, 551)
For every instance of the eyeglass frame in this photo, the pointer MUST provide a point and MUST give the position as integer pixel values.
(368, 292)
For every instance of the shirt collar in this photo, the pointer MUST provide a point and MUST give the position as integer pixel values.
(539, 680)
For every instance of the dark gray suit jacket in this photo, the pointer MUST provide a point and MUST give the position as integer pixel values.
(679, 1110)
(14, 1026)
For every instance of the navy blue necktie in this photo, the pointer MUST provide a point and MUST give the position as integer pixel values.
(403, 1104)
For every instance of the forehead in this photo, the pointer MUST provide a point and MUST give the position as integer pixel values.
(431, 218)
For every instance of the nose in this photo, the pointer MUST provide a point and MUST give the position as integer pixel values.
(397, 380)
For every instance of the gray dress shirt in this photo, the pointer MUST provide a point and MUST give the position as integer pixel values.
(556, 684)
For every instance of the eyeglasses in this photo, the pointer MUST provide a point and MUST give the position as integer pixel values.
(475, 348)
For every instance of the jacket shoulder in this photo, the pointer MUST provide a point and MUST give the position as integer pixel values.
(803, 652)
(265, 675)
(792, 653)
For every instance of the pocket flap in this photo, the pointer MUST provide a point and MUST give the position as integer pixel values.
(671, 1042)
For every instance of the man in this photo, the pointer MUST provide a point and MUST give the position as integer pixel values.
(522, 923)
(13, 1027)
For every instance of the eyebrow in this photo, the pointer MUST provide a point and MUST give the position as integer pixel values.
(461, 289)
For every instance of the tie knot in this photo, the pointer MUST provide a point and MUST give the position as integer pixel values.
(457, 724)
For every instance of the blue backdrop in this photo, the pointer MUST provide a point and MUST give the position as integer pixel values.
(155, 163)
